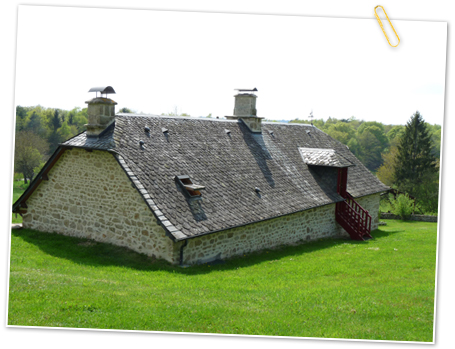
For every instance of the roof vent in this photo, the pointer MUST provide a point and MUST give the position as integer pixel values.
(257, 190)
(190, 189)
(147, 129)
(164, 130)
(272, 134)
(141, 144)
(228, 132)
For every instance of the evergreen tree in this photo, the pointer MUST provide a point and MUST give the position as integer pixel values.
(415, 161)
(54, 137)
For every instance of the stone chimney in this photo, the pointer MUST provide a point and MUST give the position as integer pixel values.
(101, 111)
(245, 109)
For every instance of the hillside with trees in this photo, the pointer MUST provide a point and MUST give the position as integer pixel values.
(383, 149)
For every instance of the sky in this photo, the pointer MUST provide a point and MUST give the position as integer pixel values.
(158, 61)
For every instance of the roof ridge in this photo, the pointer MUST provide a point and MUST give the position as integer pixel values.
(212, 119)
(201, 118)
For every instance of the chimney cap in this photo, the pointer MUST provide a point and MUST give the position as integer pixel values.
(102, 89)
(246, 90)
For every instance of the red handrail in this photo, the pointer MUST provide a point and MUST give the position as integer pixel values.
(355, 215)
(363, 213)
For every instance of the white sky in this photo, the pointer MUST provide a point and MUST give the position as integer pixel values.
(159, 60)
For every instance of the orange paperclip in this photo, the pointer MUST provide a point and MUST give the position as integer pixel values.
(382, 26)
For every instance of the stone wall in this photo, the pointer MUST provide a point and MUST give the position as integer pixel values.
(89, 195)
(292, 229)
(413, 217)
(245, 104)
(371, 204)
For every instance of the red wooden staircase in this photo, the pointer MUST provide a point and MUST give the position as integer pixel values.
(349, 214)
(354, 219)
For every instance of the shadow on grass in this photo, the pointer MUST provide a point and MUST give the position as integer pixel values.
(88, 252)
(380, 234)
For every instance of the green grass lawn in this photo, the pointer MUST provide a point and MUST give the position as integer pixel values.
(18, 188)
(379, 289)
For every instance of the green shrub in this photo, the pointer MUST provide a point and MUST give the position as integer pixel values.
(402, 206)
(18, 176)
(384, 204)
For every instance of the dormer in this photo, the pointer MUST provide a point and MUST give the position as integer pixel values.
(190, 190)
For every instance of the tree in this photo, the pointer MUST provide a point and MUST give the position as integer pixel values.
(416, 166)
(370, 148)
(377, 129)
(21, 116)
(394, 135)
(64, 132)
(386, 173)
(28, 153)
(80, 119)
(341, 131)
(125, 110)
(435, 131)
(370, 141)
(319, 123)
(54, 136)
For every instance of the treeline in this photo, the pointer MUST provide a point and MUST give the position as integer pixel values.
(51, 125)
(39, 131)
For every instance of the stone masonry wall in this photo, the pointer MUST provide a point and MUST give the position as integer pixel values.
(413, 217)
(292, 229)
(371, 204)
(296, 228)
(89, 195)
(245, 104)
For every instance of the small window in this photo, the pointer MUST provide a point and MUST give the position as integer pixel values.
(190, 189)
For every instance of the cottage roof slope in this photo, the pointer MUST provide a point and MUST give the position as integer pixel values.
(230, 162)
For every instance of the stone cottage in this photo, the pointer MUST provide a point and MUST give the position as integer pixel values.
(193, 190)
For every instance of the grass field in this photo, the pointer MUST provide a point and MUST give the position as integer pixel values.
(380, 289)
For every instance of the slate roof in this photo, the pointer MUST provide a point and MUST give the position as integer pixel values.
(323, 157)
(230, 165)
